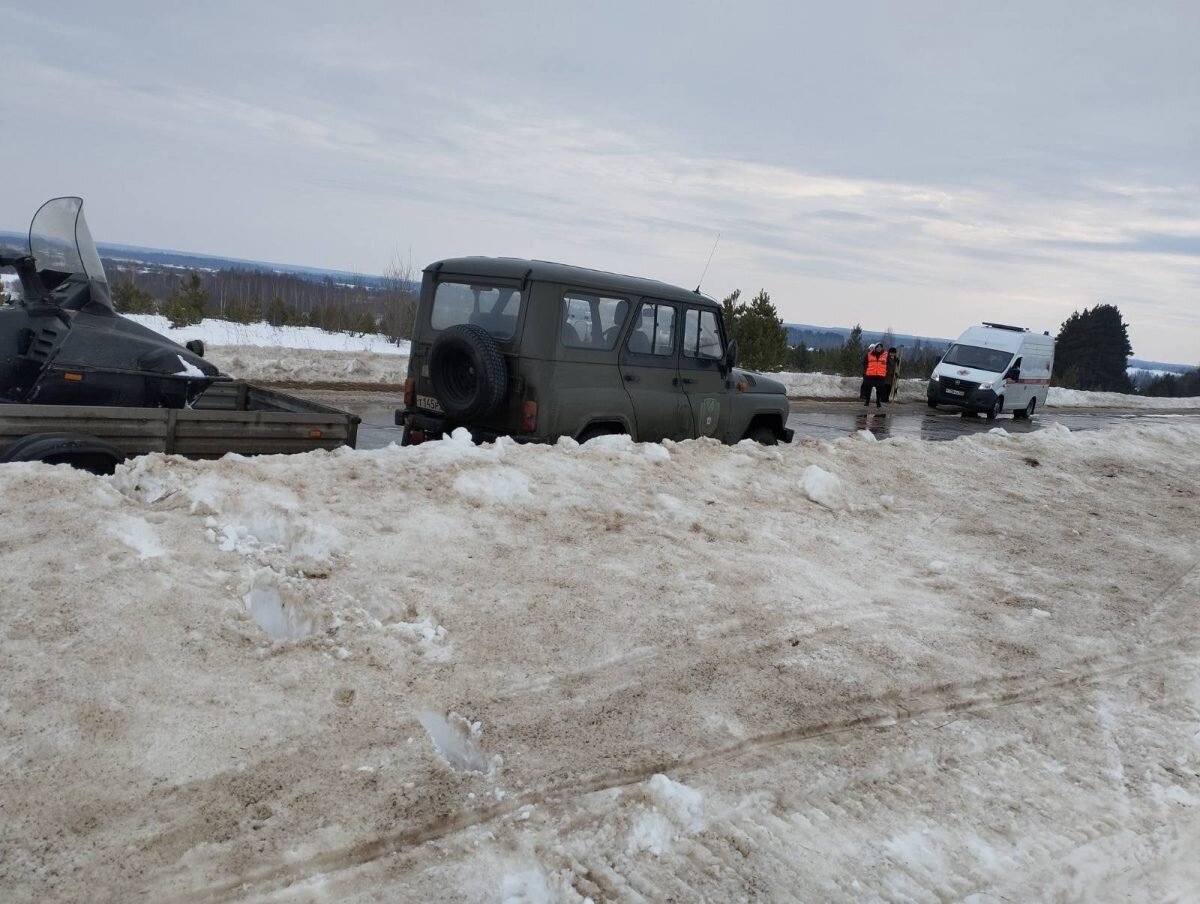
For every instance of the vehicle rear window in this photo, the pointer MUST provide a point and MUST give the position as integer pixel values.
(978, 357)
(495, 308)
(592, 321)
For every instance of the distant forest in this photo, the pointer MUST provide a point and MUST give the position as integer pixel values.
(381, 305)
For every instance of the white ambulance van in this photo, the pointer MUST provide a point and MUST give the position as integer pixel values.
(993, 368)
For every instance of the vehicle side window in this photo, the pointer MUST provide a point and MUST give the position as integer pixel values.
(653, 330)
(701, 335)
(592, 321)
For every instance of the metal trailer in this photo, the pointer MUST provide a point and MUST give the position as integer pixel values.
(228, 417)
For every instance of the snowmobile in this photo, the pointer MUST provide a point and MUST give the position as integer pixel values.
(63, 343)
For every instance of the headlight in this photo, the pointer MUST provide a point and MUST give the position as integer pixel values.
(935, 379)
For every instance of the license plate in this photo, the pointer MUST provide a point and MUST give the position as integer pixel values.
(429, 403)
(955, 392)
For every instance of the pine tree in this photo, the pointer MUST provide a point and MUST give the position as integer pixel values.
(758, 329)
(1092, 351)
(852, 352)
(187, 304)
(131, 299)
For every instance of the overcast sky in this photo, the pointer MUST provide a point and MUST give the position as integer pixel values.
(907, 164)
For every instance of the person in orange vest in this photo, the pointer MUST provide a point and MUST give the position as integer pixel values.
(875, 373)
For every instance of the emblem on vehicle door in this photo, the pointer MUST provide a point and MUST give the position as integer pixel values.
(710, 412)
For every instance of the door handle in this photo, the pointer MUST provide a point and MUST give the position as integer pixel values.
(631, 378)
(690, 380)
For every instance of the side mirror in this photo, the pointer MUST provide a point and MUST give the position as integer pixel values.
(196, 347)
(731, 354)
(1014, 373)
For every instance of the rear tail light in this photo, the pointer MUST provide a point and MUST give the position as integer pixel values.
(529, 417)
(410, 393)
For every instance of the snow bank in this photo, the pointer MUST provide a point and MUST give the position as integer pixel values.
(284, 365)
(270, 678)
(262, 335)
(1075, 398)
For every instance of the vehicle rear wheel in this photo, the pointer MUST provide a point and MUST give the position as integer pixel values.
(1031, 408)
(997, 407)
(467, 371)
(595, 430)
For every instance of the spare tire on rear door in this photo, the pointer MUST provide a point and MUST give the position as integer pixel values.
(467, 372)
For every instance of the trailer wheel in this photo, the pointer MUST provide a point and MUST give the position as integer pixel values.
(87, 453)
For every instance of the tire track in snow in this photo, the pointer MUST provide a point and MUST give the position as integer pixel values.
(937, 701)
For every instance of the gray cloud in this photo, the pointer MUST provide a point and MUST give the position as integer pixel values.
(876, 162)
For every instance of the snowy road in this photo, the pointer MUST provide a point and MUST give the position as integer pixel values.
(841, 670)
(812, 418)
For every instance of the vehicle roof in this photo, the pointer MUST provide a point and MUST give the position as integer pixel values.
(584, 277)
(1005, 339)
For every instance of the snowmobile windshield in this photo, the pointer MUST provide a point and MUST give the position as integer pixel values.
(59, 241)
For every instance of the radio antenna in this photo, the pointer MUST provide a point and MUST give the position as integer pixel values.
(710, 257)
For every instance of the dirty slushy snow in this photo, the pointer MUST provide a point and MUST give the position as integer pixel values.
(833, 671)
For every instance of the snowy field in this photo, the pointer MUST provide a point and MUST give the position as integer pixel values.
(847, 671)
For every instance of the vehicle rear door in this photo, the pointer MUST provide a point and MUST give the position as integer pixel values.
(702, 353)
(649, 363)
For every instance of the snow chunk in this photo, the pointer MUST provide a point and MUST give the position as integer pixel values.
(495, 485)
(675, 810)
(655, 452)
(866, 436)
(456, 740)
(822, 487)
(430, 638)
(610, 442)
(651, 832)
(526, 888)
(189, 369)
(279, 617)
(681, 802)
(139, 535)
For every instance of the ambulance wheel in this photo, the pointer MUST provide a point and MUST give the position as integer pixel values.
(931, 403)
(997, 407)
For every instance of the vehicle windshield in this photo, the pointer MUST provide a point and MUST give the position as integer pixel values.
(495, 308)
(992, 360)
(59, 240)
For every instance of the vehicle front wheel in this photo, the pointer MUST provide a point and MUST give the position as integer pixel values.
(997, 407)
(763, 435)
(931, 403)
